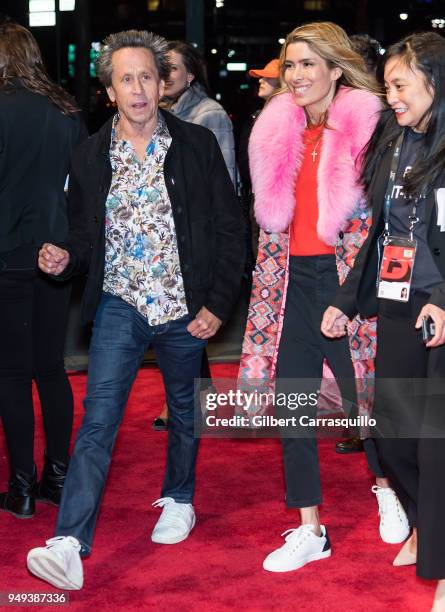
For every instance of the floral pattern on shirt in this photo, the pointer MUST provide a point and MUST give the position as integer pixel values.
(141, 252)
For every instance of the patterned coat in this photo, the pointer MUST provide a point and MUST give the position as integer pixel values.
(275, 153)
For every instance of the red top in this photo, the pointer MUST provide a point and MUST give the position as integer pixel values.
(304, 239)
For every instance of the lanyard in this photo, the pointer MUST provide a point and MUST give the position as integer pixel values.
(413, 218)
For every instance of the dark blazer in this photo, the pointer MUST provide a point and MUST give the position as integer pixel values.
(36, 143)
(207, 217)
(358, 292)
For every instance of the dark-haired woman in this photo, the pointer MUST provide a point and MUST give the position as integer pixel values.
(404, 175)
(39, 127)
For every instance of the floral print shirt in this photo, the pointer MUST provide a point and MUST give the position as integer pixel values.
(141, 251)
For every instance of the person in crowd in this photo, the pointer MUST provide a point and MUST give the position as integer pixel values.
(369, 49)
(40, 125)
(269, 78)
(155, 221)
(305, 157)
(404, 176)
(269, 82)
(186, 96)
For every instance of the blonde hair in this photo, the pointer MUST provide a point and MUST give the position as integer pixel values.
(332, 44)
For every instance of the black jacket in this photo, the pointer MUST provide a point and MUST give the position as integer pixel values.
(358, 293)
(207, 217)
(36, 143)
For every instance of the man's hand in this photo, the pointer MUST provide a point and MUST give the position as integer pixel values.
(334, 323)
(204, 325)
(52, 259)
(438, 316)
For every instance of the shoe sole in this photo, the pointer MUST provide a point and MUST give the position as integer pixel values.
(398, 540)
(349, 452)
(47, 569)
(303, 562)
(173, 540)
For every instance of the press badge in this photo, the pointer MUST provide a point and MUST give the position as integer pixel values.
(396, 268)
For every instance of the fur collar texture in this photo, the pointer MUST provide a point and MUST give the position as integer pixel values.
(276, 150)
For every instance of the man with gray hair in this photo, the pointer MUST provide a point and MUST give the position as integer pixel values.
(155, 222)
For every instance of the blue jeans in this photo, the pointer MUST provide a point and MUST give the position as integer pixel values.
(121, 335)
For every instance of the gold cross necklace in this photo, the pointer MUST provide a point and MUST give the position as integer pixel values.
(315, 142)
(314, 150)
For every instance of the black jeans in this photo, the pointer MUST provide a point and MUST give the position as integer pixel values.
(313, 282)
(414, 466)
(33, 319)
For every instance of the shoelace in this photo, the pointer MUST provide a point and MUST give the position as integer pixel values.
(295, 537)
(63, 545)
(171, 509)
(162, 501)
(385, 500)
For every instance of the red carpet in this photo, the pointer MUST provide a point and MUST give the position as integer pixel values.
(240, 510)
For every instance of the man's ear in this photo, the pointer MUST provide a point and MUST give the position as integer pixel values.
(111, 94)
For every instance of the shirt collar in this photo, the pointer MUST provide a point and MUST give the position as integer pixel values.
(160, 131)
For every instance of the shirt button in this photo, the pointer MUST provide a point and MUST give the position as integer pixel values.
(182, 238)
(179, 210)
(436, 251)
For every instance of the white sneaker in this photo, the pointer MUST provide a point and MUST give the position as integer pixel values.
(394, 526)
(175, 523)
(58, 563)
(302, 546)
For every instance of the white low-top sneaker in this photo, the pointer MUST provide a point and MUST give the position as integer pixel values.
(175, 523)
(394, 526)
(58, 563)
(302, 546)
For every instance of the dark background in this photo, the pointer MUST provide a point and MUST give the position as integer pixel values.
(241, 31)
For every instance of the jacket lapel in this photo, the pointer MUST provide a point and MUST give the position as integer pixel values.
(99, 165)
(173, 165)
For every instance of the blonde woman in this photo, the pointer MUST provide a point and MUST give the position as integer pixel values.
(305, 163)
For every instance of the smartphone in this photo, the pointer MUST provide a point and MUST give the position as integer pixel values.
(428, 329)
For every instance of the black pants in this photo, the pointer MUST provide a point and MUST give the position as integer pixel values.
(414, 466)
(313, 282)
(33, 319)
